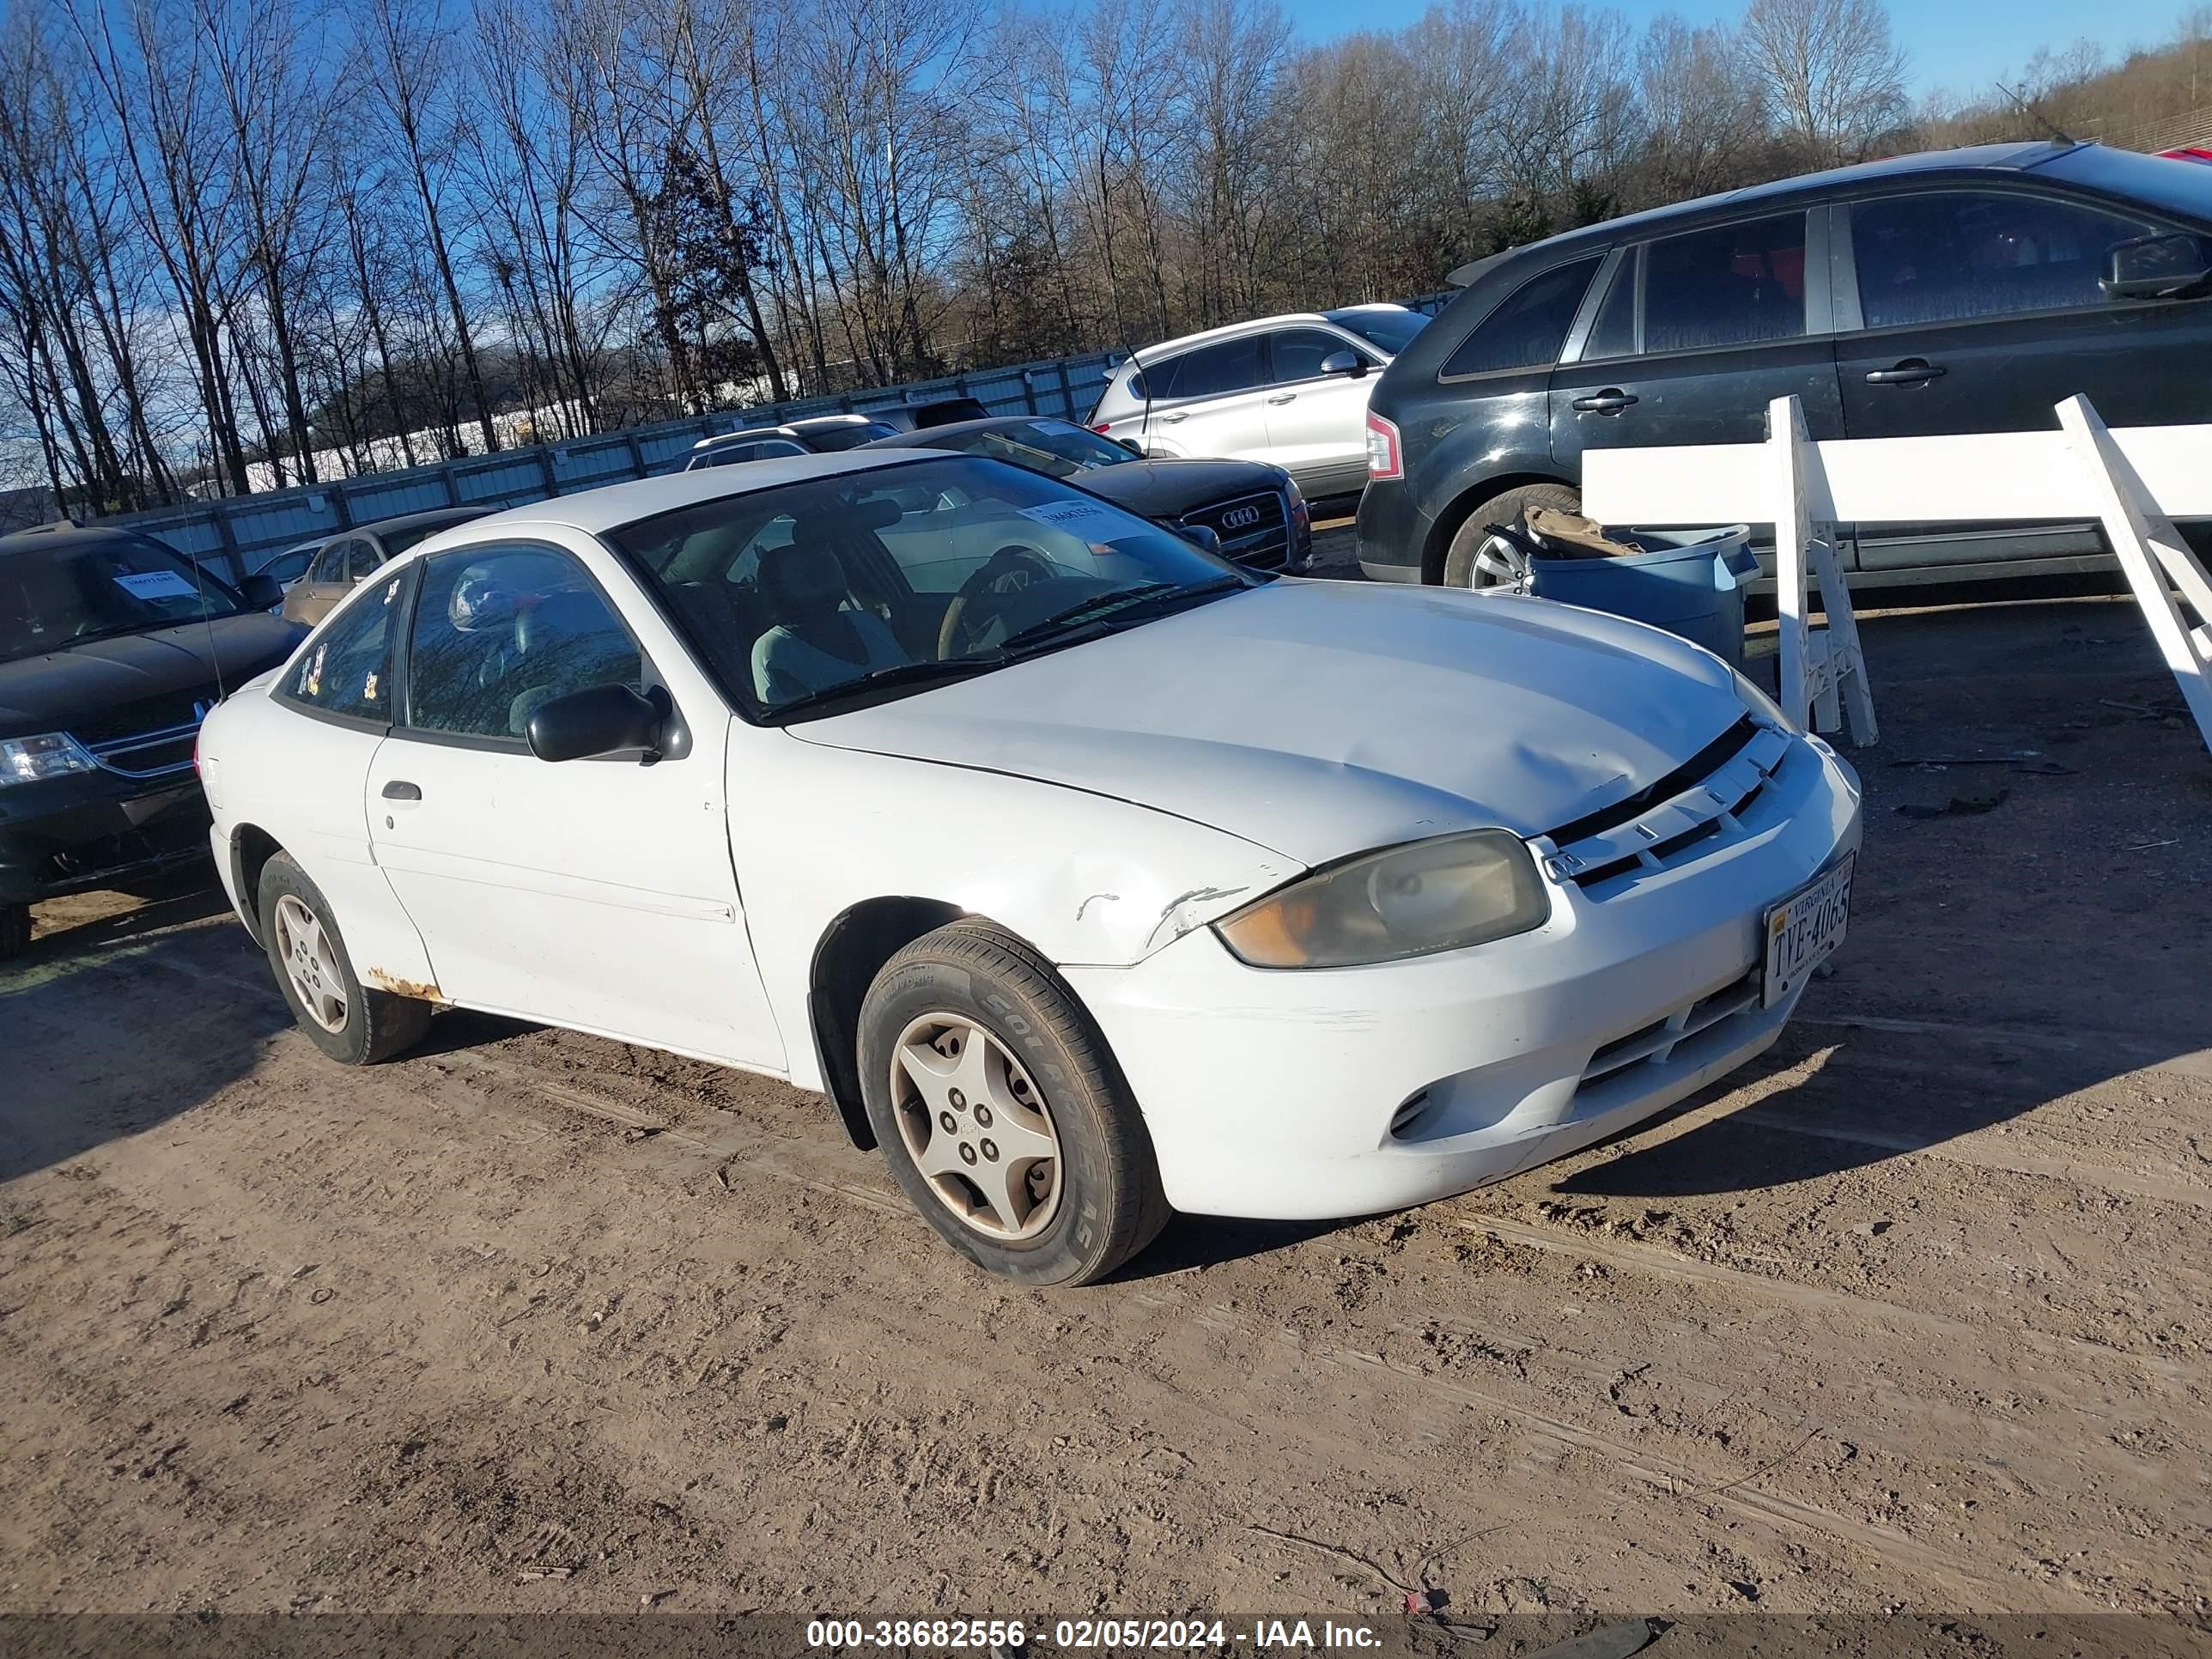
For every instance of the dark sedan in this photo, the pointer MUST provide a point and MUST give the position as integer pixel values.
(111, 650)
(1255, 509)
(1958, 291)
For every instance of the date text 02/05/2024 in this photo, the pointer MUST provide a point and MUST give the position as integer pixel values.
(1011, 1636)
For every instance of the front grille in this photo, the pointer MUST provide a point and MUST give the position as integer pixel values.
(150, 753)
(1693, 811)
(1658, 1040)
(1253, 529)
(134, 719)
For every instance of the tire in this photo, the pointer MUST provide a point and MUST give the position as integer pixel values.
(14, 930)
(297, 929)
(1460, 569)
(1087, 1196)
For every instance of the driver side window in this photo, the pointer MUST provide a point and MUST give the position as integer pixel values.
(501, 630)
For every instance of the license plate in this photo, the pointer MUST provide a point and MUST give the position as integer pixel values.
(1804, 931)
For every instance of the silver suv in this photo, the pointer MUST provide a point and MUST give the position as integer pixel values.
(1290, 391)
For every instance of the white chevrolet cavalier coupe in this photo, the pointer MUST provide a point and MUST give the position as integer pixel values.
(1090, 876)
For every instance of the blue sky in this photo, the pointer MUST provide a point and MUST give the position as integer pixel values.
(1960, 44)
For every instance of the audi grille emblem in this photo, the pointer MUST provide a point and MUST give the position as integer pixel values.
(1240, 517)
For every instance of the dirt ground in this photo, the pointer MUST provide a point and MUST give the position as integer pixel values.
(1915, 1318)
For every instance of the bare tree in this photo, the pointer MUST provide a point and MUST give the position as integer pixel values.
(1833, 78)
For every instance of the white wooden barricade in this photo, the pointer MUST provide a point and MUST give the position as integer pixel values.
(2135, 481)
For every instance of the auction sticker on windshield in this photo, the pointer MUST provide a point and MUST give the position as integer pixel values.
(1090, 521)
(1804, 931)
(155, 585)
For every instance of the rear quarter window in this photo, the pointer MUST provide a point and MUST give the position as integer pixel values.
(1528, 328)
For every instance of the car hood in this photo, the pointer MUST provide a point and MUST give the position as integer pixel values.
(65, 686)
(1321, 719)
(1162, 489)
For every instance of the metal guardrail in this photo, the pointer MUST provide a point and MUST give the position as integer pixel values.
(231, 534)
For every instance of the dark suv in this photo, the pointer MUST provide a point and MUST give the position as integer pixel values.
(111, 650)
(1965, 290)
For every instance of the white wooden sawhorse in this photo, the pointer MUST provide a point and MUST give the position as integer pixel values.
(2135, 481)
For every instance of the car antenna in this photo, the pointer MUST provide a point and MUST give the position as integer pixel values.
(207, 625)
(2033, 111)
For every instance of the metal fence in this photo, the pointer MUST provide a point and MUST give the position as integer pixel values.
(232, 535)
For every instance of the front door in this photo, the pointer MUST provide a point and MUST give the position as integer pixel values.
(1981, 312)
(327, 581)
(593, 893)
(1695, 335)
(1211, 402)
(1317, 421)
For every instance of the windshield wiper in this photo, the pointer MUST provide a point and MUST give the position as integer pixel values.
(898, 674)
(1099, 606)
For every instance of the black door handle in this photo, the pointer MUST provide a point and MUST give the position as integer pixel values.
(400, 789)
(1611, 401)
(1911, 372)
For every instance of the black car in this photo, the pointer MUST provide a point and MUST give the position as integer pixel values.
(826, 434)
(1966, 290)
(1254, 509)
(111, 650)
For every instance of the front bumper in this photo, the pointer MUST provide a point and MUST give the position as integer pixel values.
(71, 835)
(1316, 1094)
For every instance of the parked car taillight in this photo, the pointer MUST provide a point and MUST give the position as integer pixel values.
(1385, 459)
(1102, 429)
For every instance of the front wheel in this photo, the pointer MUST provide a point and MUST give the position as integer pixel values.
(1002, 1115)
(14, 930)
(1467, 565)
(343, 1018)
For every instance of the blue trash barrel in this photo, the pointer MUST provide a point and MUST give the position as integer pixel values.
(1691, 582)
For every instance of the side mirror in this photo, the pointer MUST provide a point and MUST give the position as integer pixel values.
(601, 720)
(1345, 362)
(2155, 267)
(262, 590)
(1204, 534)
(1131, 445)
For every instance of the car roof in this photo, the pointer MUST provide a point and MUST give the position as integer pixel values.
(435, 519)
(611, 506)
(921, 437)
(1972, 161)
(85, 536)
(743, 434)
(1144, 355)
(819, 420)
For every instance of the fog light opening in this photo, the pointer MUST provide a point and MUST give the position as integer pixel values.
(1407, 1118)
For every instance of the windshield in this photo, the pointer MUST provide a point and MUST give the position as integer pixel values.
(1058, 449)
(813, 593)
(2160, 182)
(86, 588)
(1393, 331)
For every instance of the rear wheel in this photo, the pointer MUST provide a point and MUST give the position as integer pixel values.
(14, 930)
(343, 1018)
(1467, 565)
(1002, 1115)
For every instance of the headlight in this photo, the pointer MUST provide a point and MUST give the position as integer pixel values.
(1408, 900)
(1758, 705)
(53, 755)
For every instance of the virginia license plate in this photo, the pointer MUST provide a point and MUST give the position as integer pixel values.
(1804, 931)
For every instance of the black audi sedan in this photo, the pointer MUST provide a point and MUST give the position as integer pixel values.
(1957, 291)
(1254, 510)
(112, 648)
